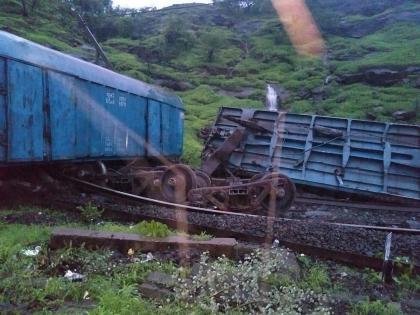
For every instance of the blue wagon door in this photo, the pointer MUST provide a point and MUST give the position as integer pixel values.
(154, 145)
(3, 112)
(25, 117)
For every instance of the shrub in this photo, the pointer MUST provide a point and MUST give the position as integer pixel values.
(90, 212)
(375, 308)
(226, 286)
(153, 229)
(203, 236)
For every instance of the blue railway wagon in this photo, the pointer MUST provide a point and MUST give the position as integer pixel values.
(54, 107)
(350, 155)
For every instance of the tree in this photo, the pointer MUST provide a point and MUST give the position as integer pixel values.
(91, 7)
(176, 38)
(244, 6)
(213, 41)
(28, 5)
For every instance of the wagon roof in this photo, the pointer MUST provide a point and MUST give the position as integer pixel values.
(21, 49)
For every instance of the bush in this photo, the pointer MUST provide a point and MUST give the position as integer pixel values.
(90, 213)
(226, 286)
(153, 229)
(375, 308)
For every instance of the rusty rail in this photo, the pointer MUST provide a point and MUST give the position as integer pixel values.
(132, 197)
(351, 259)
(357, 205)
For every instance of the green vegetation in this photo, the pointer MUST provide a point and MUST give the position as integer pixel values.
(375, 308)
(238, 45)
(37, 282)
(203, 236)
(317, 278)
(244, 287)
(153, 229)
(111, 283)
(90, 213)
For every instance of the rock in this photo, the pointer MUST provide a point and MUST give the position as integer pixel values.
(383, 76)
(221, 20)
(378, 109)
(370, 116)
(340, 98)
(242, 93)
(413, 70)
(317, 214)
(175, 85)
(330, 78)
(291, 266)
(374, 76)
(152, 291)
(413, 224)
(318, 93)
(362, 27)
(160, 279)
(413, 303)
(404, 115)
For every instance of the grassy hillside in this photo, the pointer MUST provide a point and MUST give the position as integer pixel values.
(212, 58)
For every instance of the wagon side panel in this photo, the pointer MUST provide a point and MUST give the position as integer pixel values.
(25, 112)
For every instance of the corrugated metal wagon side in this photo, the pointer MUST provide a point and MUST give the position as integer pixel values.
(54, 107)
(336, 153)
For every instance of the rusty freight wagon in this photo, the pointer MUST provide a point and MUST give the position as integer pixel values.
(341, 154)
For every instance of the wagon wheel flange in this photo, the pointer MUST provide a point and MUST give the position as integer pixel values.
(281, 195)
(176, 181)
(139, 185)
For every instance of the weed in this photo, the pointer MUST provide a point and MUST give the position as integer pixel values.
(203, 236)
(375, 308)
(223, 285)
(304, 260)
(90, 213)
(317, 278)
(372, 277)
(153, 229)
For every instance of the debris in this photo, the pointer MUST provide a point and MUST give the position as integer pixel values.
(32, 252)
(413, 224)
(404, 115)
(154, 292)
(86, 296)
(160, 279)
(130, 252)
(149, 257)
(275, 243)
(73, 276)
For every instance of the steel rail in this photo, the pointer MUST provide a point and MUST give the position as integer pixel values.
(348, 258)
(357, 205)
(220, 212)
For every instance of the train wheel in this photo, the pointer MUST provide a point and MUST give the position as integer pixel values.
(138, 185)
(203, 180)
(281, 198)
(176, 182)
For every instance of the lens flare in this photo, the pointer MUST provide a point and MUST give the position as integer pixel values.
(300, 26)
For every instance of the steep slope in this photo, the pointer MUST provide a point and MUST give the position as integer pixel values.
(370, 68)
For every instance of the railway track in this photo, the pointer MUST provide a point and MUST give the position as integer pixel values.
(357, 205)
(353, 244)
(113, 210)
(137, 198)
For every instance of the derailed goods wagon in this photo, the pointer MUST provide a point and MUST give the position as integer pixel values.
(54, 107)
(341, 154)
(61, 116)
